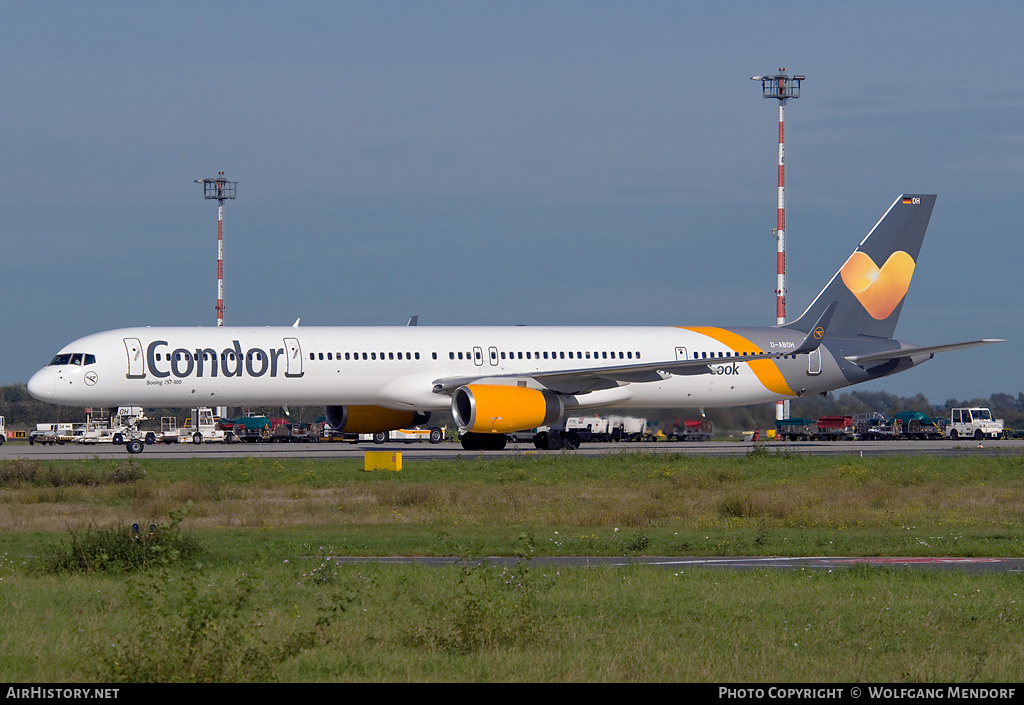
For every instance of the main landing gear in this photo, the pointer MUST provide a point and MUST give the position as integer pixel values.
(545, 440)
(484, 441)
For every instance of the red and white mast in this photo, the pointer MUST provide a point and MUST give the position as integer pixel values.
(780, 228)
(782, 88)
(221, 189)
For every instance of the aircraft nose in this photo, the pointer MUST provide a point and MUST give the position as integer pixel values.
(41, 385)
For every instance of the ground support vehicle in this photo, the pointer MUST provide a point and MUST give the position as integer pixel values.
(795, 429)
(836, 428)
(691, 430)
(3, 431)
(599, 429)
(50, 433)
(589, 429)
(201, 427)
(298, 432)
(973, 422)
(628, 428)
(434, 434)
(119, 429)
(919, 426)
(169, 432)
(251, 429)
(874, 426)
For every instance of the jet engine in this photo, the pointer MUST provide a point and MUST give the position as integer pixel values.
(489, 408)
(370, 419)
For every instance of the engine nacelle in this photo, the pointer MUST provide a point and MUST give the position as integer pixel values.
(494, 408)
(370, 419)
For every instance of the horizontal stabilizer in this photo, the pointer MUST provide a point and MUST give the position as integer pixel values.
(914, 352)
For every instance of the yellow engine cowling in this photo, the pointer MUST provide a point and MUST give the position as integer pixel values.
(491, 408)
(370, 419)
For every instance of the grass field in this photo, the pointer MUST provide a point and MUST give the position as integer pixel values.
(249, 593)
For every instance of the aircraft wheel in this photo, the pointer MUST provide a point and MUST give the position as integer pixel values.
(571, 441)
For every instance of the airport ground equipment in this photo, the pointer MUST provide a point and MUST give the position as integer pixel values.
(795, 429)
(973, 422)
(836, 428)
(433, 434)
(919, 426)
(120, 429)
(691, 431)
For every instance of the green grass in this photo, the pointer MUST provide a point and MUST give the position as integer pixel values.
(308, 621)
(259, 600)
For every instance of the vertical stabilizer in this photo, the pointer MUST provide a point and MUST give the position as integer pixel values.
(870, 287)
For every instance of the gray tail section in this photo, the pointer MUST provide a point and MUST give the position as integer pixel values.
(870, 287)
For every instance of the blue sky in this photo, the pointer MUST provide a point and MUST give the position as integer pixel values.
(502, 163)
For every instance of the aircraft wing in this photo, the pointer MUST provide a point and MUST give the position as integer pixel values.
(915, 351)
(583, 380)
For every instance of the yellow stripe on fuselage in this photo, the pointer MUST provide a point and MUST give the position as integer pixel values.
(766, 371)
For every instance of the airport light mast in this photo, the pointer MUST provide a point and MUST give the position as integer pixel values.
(221, 189)
(783, 88)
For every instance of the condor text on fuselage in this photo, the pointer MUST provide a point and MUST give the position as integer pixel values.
(232, 362)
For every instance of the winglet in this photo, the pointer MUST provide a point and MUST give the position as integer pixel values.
(817, 332)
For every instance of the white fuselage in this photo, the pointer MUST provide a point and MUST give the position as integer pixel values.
(400, 367)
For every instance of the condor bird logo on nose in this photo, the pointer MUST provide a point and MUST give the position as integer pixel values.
(878, 290)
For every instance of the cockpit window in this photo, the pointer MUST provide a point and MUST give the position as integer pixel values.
(74, 359)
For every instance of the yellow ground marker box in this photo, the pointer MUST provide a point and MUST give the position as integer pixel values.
(382, 460)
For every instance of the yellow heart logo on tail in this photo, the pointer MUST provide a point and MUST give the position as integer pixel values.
(878, 290)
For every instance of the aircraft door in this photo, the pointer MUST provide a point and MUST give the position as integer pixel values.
(136, 358)
(293, 357)
(681, 354)
(814, 362)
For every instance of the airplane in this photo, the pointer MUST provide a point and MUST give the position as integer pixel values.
(498, 380)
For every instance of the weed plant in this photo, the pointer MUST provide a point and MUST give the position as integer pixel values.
(123, 550)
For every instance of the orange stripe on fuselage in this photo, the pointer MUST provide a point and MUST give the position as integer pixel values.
(766, 371)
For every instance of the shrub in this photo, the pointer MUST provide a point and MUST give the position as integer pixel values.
(123, 550)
